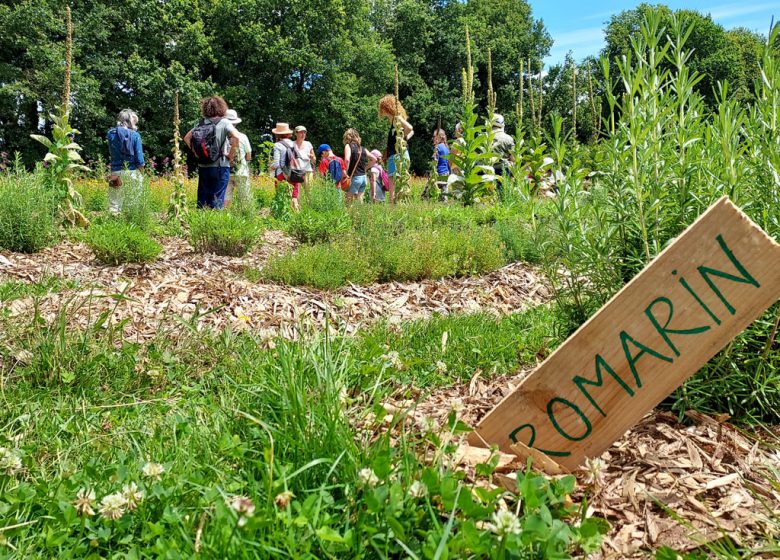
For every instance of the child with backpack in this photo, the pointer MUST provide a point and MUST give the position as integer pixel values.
(207, 142)
(286, 165)
(331, 165)
(380, 182)
(127, 160)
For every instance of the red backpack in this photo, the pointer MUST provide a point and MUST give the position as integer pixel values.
(384, 178)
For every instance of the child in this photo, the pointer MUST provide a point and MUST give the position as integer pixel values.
(331, 165)
(379, 179)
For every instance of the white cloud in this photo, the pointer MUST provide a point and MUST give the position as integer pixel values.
(729, 11)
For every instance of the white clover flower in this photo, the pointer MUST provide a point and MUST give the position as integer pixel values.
(368, 477)
(243, 506)
(10, 462)
(457, 405)
(153, 470)
(418, 489)
(84, 501)
(441, 367)
(393, 359)
(594, 469)
(113, 506)
(505, 523)
(132, 495)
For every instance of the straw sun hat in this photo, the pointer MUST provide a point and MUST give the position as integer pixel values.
(282, 128)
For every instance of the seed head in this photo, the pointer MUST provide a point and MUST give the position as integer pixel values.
(84, 501)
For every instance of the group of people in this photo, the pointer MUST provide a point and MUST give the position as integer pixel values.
(360, 173)
(223, 155)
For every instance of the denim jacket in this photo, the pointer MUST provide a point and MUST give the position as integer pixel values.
(118, 160)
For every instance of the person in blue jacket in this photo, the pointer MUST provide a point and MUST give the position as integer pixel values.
(127, 160)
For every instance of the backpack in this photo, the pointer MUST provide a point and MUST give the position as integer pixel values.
(204, 142)
(290, 161)
(126, 147)
(384, 178)
(336, 169)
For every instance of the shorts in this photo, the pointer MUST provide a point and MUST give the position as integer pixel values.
(392, 163)
(358, 185)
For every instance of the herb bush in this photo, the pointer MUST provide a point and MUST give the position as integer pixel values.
(223, 232)
(115, 242)
(317, 226)
(29, 214)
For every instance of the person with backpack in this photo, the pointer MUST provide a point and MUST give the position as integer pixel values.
(127, 160)
(207, 142)
(331, 165)
(306, 153)
(286, 164)
(358, 160)
(380, 182)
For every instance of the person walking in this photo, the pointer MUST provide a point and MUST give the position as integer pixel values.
(127, 160)
(239, 177)
(307, 157)
(284, 166)
(357, 160)
(207, 141)
(441, 153)
(392, 110)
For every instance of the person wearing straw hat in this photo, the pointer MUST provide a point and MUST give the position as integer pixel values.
(285, 156)
(239, 178)
(306, 151)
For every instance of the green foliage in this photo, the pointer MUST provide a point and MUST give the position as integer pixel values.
(325, 266)
(116, 242)
(29, 214)
(138, 206)
(520, 240)
(12, 289)
(281, 205)
(223, 232)
(471, 161)
(322, 196)
(442, 349)
(315, 226)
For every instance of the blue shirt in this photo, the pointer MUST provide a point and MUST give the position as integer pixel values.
(442, 163)
(118, 158)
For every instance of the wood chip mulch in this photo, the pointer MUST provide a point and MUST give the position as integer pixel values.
(215, 291)
(662, 483)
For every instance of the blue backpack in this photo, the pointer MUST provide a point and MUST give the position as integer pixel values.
(335, 170)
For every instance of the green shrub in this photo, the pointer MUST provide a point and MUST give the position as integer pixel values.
(325, 266)
(223, 232)
(322, 195)
(281, 205)
(137, 206)
(264, 197)
(28, 213)
(315, 226)
(116, 242)
(519, 240)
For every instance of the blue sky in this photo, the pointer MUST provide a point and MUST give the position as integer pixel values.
(578, 25)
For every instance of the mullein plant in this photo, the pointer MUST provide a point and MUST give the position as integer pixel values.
(177, 205)
(63, 156)
(471, 160)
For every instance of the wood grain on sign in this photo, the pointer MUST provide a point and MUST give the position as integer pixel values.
(704, 289)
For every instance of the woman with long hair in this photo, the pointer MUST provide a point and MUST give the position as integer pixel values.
(357, 160)
(390, 108)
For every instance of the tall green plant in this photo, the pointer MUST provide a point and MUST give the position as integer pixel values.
(177, 205)
(63, 153)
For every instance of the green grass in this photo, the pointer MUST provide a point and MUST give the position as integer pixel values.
(13, 289)
(225, 415)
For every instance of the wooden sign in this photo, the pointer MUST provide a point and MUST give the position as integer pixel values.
(704, 289)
